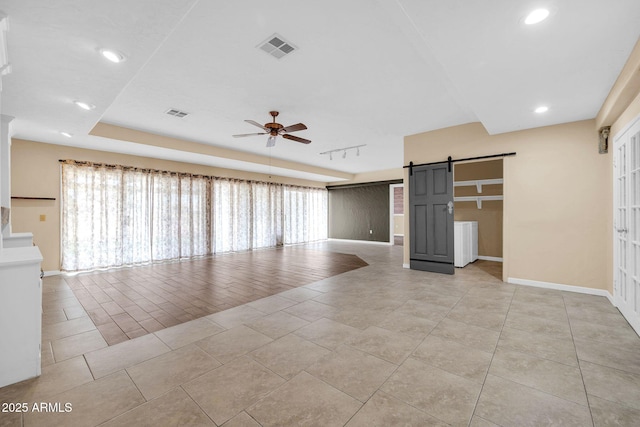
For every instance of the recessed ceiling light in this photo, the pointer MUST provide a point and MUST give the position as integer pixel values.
(67, 134)
(541, 109)
(112, 55)
(536, 16)
(84, 105)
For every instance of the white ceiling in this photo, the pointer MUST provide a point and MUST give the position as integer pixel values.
(365, 71)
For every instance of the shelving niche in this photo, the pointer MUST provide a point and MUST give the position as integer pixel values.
(478, 183)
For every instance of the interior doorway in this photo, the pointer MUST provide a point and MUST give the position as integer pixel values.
(396, 214)
(478, 199)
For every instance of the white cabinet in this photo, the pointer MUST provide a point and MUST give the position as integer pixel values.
(465, 242)
(20, 314)
(17, 240)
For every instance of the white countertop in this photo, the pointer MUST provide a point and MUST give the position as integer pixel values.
(17, 256)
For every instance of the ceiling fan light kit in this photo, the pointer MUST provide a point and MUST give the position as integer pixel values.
(274, 129)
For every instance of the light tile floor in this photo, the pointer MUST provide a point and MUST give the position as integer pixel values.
(376, 346)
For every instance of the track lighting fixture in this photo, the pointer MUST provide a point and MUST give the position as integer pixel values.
(344, 151)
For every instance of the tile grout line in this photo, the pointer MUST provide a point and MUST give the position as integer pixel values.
(573, 341)
(475, 406)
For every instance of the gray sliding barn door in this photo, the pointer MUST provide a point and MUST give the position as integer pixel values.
(431, 225)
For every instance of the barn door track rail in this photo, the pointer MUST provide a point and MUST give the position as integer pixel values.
(450, 161)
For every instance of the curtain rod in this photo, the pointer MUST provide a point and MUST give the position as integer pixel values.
(105, 165)
(450, 160)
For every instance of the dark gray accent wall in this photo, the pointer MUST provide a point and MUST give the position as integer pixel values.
(355, 210)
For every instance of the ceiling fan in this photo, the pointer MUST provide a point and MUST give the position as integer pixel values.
(274, 129)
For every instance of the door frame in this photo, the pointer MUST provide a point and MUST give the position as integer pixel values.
(392, 188)
(503, 258)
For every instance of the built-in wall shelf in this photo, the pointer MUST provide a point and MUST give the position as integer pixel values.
(33, 198)
(477, 199)
(478, 183)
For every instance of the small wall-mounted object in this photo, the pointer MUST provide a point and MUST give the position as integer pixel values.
(33, 198)
(603, 143)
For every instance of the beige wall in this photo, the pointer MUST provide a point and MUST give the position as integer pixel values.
(35, 172)
(489, 217)
(557, 197)
(628, 116)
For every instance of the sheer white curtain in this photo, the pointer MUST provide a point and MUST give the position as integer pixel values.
(305, 214)
(195, 217)
(91, 217)
(136, 214)
(267, 212)
(231, 212)
(115, 216)
(165, 216)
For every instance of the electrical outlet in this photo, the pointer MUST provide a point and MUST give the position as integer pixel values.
(370, 231)
(43, 217)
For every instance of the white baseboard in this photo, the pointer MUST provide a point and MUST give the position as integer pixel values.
(406, 265)
(52, 273)
(490, 258)
(361, 241)
(561, 287)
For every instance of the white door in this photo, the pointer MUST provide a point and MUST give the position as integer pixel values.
(626, 232)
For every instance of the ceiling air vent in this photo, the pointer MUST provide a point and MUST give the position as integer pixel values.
(176, 113)
(277, 46)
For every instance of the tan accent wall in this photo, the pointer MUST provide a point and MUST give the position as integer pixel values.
(489, 217)
(557, 197)
(35, 172)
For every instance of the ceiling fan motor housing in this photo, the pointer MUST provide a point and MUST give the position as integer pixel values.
(273, 128)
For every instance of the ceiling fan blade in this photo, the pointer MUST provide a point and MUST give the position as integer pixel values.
(293, 128)
(253, 122)
(297, 139)
(242, 135)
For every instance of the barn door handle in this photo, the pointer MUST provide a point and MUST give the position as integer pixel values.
(450, 207)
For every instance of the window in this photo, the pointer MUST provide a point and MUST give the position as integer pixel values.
(115, 215)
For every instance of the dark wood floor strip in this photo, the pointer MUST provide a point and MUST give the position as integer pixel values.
(131, 302)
